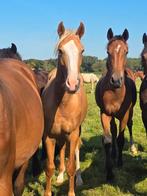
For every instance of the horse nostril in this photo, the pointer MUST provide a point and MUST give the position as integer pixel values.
(112, 80)
(121, 78)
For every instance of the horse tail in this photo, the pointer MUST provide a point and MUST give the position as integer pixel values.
(36, 166)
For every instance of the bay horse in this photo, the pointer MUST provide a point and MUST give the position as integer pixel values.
(41, 78)
(21, 117)
(65, 104)
(143, 87)
(116, 96)
(10, 52)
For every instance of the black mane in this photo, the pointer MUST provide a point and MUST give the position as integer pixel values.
(10, 53)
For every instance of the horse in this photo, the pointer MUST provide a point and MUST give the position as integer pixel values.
(10, 52)
(65, 104)
(22, 123)
(41, 78)
(116, 96)
(143, 87)
(90, 78)
(139, 74)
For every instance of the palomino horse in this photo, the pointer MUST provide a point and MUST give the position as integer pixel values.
(90, 78)
(65, 104)
(115, 95)
(143, 87)
(21, 117)
(60, 177)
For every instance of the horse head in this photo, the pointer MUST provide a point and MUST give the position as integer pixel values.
(144, 53)
(70, 52)
(117, 50)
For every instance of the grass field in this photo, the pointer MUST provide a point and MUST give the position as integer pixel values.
(130, 180)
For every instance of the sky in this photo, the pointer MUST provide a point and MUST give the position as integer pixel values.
(32, 24)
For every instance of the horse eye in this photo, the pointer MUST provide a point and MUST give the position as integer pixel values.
(60, 51)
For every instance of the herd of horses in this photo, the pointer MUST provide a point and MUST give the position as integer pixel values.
(51, 107)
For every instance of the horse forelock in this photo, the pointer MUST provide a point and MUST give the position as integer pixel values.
(67, 36)
(115, 38)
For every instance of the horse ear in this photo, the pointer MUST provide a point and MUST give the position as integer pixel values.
(80, 31)
(13, 48)
(144, 38)
(61, 29)
(125, 35)
(109, 34)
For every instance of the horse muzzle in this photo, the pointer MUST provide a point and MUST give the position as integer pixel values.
(116, 82)
(72, 86)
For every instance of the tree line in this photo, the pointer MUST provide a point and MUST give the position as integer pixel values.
(89, 64)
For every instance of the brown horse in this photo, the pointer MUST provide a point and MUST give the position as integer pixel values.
(143, 87)
(115, 95)
(41, 78)
(65, 104)
(21, 118)
(10, 52)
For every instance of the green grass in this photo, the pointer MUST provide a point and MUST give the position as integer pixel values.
(130, 180)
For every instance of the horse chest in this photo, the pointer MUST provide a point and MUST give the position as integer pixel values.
(66, 120)
(112, 102)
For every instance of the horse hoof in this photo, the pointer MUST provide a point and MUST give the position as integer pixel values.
(133, 150)
(110, 178)
(60, 180)
(119, 163)
(79, 181)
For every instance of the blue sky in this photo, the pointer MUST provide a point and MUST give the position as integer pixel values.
(32, 24)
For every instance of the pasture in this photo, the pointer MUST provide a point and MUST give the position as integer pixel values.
(129, 180)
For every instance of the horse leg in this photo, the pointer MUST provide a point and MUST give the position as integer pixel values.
(107, 141)
(50, 166)
(20, 180)
(114, 135)
(120, 139)
(129, 124)
(79, 180)
(60, 177)
(71, 167)
(144, 119)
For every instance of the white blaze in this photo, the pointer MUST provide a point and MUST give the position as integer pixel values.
(72, 53)
(118, 48)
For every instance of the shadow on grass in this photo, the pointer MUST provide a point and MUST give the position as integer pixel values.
(92, 158)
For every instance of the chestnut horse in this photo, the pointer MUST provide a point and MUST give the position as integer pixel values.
(65, 104)
(116, 96)
(143, 87)
(21, 118)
